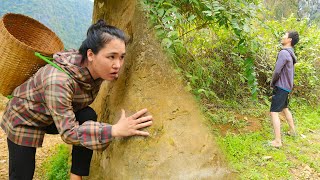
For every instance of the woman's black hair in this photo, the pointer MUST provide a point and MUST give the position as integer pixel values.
(98, 35)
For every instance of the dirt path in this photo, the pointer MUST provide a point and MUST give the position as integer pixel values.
(303, 170)
(50, 141)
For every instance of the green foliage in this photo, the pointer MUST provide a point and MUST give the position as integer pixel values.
(306, 70)
(68, 19)
(188, 30)
(280, 9)
(305, 115)
(57, 166)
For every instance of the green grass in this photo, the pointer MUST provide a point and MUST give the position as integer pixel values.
(57, 166)
(250, 155)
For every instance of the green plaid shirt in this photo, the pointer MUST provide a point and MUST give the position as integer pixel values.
(52, 96)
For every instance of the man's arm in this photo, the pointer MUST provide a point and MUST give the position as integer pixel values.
(281, 61)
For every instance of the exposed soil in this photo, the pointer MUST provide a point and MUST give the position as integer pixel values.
(250, 124)
(50, 141)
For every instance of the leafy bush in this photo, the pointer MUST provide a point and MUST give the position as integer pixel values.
(201, 34)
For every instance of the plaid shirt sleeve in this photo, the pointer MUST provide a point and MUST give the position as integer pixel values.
(58, 98)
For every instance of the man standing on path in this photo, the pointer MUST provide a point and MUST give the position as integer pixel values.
(282, 84)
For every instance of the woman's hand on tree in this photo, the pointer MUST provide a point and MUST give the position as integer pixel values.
(129, 126)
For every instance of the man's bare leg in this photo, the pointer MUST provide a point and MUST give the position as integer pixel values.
(75, 177)
(287, 113)
(276, 128)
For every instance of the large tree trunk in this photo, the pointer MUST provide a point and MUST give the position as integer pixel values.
(181, 145)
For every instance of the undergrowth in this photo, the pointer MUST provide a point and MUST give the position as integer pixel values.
(57, 166)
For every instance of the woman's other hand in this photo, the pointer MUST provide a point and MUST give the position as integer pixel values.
(129, 126)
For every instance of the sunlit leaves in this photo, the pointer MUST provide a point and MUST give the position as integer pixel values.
(176, 19)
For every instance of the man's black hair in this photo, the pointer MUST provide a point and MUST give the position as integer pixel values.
(294, 35)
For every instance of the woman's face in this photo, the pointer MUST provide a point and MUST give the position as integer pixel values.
(107, 63)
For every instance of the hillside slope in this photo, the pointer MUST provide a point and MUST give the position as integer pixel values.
(68, 18)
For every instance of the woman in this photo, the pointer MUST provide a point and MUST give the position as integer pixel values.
(54, 101)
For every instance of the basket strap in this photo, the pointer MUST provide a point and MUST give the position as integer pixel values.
(49, 61)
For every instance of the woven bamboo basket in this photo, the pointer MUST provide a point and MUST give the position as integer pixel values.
(20, 37)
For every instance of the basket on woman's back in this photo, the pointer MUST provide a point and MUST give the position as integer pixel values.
(20, 37)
